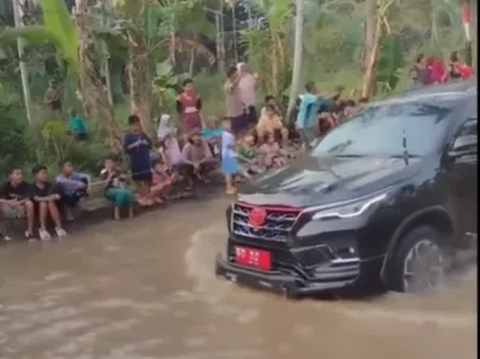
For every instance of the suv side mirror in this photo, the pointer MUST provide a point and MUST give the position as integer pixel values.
(464, 145)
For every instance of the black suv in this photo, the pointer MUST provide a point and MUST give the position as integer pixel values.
(380, 200)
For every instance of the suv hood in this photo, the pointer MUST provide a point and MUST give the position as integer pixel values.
(312, 180)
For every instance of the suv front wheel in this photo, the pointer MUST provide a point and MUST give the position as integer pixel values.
(418, 264)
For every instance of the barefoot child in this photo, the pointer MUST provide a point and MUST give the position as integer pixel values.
(229, 160)
(116, 189)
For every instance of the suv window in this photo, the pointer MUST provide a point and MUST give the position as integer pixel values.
(379, 130)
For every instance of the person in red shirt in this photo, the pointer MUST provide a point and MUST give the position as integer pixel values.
(189, 105)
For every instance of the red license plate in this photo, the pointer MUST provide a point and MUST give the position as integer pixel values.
(251, 257)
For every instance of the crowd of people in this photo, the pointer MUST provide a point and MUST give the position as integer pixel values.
(240, 145)
(429, 70)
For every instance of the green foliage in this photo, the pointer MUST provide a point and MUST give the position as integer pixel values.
(389, 64)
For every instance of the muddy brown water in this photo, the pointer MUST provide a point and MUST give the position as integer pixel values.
(145, 289)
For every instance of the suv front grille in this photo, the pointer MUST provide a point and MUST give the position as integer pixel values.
(277, 225)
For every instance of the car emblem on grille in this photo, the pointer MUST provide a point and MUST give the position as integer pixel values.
(257, 217)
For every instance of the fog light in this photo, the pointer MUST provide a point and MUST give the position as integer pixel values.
(351, 250)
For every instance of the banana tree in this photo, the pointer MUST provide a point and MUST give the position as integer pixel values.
(267, 45)
(148, 25)
(75, 49)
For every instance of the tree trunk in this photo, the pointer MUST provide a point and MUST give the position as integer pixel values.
(371, 49)
(369, 76)
(90, 87)
(369, 32)
(191, 63)
(138, 79)
(18, 16)
(297, 57)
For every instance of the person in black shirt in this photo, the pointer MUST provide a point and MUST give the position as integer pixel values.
(15, 201)
(45, 196)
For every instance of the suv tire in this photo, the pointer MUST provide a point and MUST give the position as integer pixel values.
(418, 264)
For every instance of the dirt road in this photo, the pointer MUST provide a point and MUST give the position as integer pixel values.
(145, 289)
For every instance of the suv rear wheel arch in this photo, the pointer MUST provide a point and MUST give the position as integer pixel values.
(436, 217)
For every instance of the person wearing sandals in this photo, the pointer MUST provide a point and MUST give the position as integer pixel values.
(46, 198)
(229, 157)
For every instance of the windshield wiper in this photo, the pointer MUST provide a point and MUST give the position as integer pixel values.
(406, 155)
(349, 155)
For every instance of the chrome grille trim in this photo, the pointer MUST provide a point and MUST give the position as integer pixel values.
(277, 224)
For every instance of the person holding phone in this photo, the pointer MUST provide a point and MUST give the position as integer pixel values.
(137, 146)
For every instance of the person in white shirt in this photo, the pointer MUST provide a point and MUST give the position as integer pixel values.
(248, 86)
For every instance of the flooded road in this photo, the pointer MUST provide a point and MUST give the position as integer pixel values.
(145, 289)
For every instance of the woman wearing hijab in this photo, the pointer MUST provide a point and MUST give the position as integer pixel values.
(166, 137)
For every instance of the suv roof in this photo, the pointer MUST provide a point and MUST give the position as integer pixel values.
(453, 90)
(469, 86)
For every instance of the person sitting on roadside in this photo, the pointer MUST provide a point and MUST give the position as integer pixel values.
(413, 82)
(212, 133)
(271, 123)
(249, 156)
(116, 188)
(169, 147)
(272, 154)
(73, 187)
(269, 100)
(46, 198)
(326, 121)
(457, 69)
(76, 126)
(423, 70)
(198, 160)
(15, 201)
(350, 108)
(162, 181)
(362, 102)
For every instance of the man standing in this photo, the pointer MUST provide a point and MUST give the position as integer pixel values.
(233, 102)
(52, 99)
(15, 201)
(248, 92)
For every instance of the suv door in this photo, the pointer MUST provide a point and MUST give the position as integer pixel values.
(463, 176)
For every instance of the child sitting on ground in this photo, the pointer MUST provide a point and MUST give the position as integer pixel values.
(273, 154)
(269, 100)
(212, 133)
(116, 188)
(249, 156)
(162, 181)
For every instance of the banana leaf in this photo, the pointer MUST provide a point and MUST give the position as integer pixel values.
(390, 63)
(58, 20)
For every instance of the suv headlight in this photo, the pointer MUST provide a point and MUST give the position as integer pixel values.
(350, 209)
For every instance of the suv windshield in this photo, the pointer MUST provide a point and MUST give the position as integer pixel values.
(379, 129)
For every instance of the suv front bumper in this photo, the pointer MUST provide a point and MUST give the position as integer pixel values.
(365, 278)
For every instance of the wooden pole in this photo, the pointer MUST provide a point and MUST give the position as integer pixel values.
(297, 57)
(18, 14)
